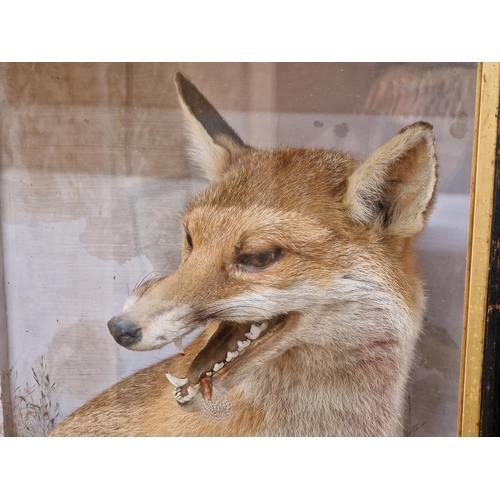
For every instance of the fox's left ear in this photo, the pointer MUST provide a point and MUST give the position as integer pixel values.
(393, 189)
(215, 145)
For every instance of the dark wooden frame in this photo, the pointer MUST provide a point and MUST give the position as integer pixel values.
(490, 393)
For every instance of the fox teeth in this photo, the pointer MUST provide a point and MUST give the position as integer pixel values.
(254, 332)
(193, 391)
(243, 344)
(176, 382)
(178, 346)
(231, 355)
(218, 366)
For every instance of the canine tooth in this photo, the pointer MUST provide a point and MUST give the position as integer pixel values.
(231, 355)
(178, 346)
(263, 326)
(218, 366)
(243, 344)
(175, 381)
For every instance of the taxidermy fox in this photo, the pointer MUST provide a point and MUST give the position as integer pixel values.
(298, 271)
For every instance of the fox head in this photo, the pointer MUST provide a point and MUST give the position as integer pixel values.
(287, 248)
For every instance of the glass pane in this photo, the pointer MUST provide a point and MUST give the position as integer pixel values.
(94, 175)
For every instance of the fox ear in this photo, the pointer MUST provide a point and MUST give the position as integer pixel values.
(214, 144)
(394, 187)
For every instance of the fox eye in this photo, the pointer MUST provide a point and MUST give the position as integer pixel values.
(259, 259)
(189, 241)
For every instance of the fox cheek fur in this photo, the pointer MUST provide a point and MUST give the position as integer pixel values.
(299, 277)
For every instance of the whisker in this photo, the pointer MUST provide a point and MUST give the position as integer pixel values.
(142, 279)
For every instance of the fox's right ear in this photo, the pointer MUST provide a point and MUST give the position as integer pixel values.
(214, 144)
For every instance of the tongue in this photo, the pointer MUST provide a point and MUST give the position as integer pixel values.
(223, 340)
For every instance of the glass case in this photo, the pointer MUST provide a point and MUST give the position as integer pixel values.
(94, 173)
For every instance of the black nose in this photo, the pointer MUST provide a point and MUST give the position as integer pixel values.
(125, 332)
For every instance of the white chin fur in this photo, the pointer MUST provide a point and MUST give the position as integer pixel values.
(149, 343)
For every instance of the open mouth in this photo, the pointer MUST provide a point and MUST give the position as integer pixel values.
(229, 343)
